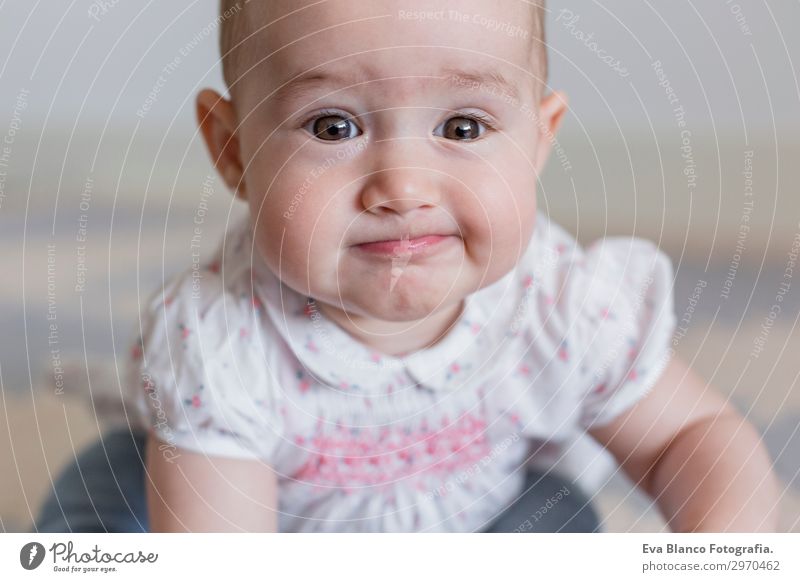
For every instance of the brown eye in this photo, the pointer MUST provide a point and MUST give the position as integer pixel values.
(461, 128)
(332, 128)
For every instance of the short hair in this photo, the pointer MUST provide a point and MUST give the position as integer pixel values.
(233, 29)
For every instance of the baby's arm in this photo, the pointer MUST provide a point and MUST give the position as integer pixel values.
(196, 493)
(696, 456)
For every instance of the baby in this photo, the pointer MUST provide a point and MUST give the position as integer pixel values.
(394, 332)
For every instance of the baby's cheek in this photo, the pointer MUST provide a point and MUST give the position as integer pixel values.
(501, 237)
(307, 248)
(508, 213)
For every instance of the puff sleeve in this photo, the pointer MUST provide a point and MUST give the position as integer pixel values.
(197, 376)
(622, 301)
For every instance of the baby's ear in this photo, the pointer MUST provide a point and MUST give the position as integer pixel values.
(217, 121)
(551, 112)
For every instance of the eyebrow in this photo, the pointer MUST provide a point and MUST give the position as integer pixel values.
(492, 83)
(480, 79)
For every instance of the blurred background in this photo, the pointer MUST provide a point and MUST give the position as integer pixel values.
(683, 128)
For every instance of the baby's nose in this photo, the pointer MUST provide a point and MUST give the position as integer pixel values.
(400, 182)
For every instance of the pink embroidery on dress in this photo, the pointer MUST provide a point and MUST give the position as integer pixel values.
(381, 455)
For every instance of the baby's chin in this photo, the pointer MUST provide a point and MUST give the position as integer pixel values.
(404, 299)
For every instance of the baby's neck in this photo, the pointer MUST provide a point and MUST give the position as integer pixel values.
(395, 338)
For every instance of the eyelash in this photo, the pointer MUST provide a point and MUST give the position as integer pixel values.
(484, 119)
(480, 117)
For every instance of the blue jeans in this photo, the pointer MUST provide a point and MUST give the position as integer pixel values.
(104, 491)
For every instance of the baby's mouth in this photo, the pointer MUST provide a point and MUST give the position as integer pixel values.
(401, 252)
(405, 247)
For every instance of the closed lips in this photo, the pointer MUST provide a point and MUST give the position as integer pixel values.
(401, 246)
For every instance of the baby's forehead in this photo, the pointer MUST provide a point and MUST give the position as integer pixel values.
(384, 39)
(417, 77)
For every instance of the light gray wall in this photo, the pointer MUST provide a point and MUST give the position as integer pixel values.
(93, 68)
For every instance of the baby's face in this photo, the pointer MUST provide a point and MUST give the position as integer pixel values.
(386, 140)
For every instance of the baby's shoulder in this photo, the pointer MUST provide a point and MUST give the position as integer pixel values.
(608, 280)
(203, 292)
(562, 264)
(602, 321)
(204, 308)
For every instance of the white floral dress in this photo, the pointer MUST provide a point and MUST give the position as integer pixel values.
(235, 364)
